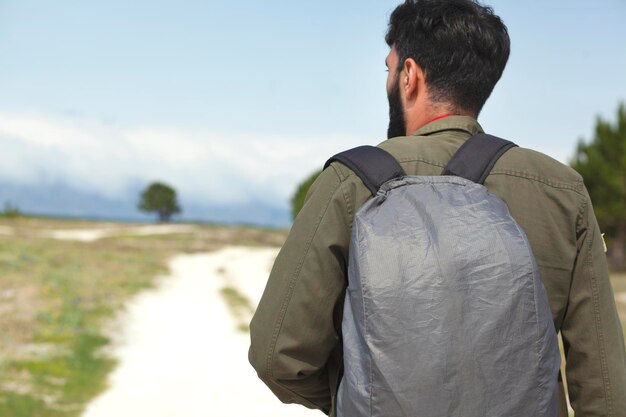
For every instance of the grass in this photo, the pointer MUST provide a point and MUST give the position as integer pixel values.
(60, 385)
(57, 296)
(240, 307)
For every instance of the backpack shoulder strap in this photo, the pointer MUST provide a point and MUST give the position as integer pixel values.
(476, 157)
(373, 165)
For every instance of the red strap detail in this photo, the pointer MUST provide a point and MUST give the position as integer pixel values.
(442, 117)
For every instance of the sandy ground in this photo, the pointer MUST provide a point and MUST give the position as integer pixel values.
(179, 352)
(90, 235)
(6, 230)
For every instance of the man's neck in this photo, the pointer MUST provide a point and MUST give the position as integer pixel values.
(443, 116)
(419, 122)
(423, 121)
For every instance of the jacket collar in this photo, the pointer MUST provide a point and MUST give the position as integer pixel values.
(462, 123)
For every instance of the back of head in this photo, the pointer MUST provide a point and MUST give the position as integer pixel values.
(461, 46)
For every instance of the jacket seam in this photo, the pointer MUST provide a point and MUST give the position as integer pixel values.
(576, 187)
(339, 169)
(290, 289)
(599, 332)
(582, 208)
(558, 185)
(581, 214)
(426, 161)
(345, 197)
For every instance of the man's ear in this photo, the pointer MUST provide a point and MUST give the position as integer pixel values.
(412, 79)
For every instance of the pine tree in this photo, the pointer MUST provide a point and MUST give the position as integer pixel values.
(602, 163)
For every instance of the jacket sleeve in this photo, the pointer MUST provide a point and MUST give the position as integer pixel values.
(592, 334)
(293, 332)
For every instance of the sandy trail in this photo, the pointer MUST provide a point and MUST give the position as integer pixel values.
(6, 231)
(91, 235)
(179, 352)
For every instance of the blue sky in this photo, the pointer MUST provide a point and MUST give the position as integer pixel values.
(237, 101)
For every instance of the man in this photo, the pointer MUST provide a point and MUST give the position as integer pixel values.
(445, 58)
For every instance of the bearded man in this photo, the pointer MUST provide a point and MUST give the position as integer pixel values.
(445, 58)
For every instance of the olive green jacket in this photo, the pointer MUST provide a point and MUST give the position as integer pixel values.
(295, 333)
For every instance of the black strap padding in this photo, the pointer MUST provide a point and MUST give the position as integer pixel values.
(476, 157)
(373, 165)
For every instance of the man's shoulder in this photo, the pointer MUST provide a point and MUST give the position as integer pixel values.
(536, 166)
(407, 150)
(428, 155)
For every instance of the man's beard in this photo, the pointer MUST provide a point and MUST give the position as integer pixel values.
(397, 125)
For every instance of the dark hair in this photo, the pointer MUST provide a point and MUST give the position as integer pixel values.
(461, 45)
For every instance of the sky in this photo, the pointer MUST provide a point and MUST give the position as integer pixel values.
(233, 102)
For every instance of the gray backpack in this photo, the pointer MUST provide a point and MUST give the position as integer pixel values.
(445, 313)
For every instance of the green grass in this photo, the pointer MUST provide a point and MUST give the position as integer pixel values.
(62, 292)
(57, 296)
(240, 307)
(60, 385)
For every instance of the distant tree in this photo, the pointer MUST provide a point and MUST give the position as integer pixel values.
(602, 163)
(10, 211)
(297, 201)
(159, 198)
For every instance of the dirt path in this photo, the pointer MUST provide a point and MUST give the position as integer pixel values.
(180, 353)
(6, 231)
(90, 235)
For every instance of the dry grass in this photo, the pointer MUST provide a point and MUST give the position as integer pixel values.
(56, 296)
(240, 307)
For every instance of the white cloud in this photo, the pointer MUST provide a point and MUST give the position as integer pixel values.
(205, 166)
